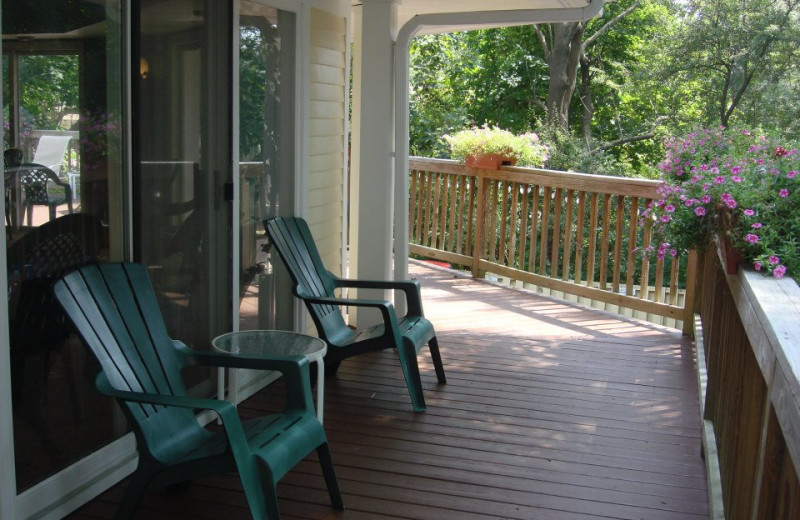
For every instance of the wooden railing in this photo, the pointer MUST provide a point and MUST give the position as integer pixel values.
(571, 232)
(749, 353)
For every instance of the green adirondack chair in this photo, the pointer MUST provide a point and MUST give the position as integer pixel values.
(114, 308)
(315, 285)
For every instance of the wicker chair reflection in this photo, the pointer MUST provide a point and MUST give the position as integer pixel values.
(36, 181)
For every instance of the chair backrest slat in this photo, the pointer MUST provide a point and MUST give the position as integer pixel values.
(115, 309)
(292, 238)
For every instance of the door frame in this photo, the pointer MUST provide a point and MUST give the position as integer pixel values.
(302, 11)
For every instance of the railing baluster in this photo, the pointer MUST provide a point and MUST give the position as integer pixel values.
(545, 225)
(605, 240)
(493, 192)
(480, 230)
(557, 203)
(460, 213)
(659, 285)
(437, 211)
(534, 229)
(451, 231)
(579, 226)
(426, 226)
(523, 227)
(412, 205)
(632, 222)
(503, 216)
(590, 261)
(618, 242)
(512, 224)
(473, 196)
(644, 279)
(673, 280)
(568, 235)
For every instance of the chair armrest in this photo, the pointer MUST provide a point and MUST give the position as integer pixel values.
(222, 408)
(409, 287)
(236, 438)
(386, 308)
(294, 369)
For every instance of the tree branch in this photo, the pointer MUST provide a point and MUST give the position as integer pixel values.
(611, 23)
(543, 41)
(634, 139)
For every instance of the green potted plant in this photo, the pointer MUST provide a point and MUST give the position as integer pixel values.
(734, 186)
(491, 147)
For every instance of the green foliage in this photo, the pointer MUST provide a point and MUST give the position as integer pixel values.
(48, 90)
(572, 153)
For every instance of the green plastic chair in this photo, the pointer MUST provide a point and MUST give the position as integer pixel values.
(114, 308)
(315, 285)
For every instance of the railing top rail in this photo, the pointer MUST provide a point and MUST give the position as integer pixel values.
(556, 179)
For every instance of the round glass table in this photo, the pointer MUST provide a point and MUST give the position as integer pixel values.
(269, 344)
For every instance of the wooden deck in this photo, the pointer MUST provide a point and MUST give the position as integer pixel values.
(551, 411)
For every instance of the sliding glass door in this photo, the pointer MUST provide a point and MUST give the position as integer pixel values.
(182, 163)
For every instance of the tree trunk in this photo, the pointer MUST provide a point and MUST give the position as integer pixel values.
(563, 63)
(586, 98)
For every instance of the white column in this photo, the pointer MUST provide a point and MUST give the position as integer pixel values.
(373, 143)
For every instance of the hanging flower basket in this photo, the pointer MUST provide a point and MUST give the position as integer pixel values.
(489, 161)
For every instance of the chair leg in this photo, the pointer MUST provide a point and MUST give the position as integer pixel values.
(324, 454)
(259, 490)
(52, 212)
(133, 494)
(408, 362)
(433, 345)
(331, 368)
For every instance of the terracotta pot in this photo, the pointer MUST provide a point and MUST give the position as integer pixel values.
(489, 161)
(732, 256)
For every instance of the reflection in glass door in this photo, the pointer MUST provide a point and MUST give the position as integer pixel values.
(266, 160)
(182, 163)
(62, 71)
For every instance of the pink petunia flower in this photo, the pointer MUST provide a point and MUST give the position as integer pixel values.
(756, 225)
(752, 238)
(749, 212)
(699, 211)
(774, 260)
(792, 174)
(784, 193)
(719, 179)
(705, 199)
(757, 265)
(669, 208)
(779, 272)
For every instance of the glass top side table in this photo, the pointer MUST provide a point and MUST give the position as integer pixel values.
(277, 343)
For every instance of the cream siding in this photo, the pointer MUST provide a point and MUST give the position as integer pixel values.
(327, 123)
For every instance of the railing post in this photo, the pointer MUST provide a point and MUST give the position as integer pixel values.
(479, 249)
(691, 290)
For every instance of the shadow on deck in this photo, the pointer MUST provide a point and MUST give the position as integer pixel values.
(551, 411)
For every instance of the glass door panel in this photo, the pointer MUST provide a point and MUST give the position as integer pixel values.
(266, 160)
(182, 164)
(62, 109)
